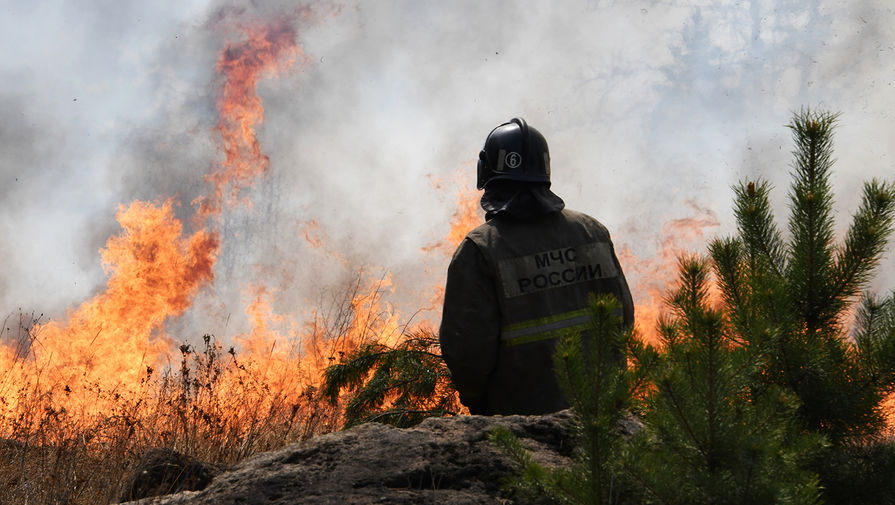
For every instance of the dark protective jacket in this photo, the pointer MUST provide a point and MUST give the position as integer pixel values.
(513, 286)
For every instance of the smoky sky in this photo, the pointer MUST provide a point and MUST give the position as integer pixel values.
(652, 109)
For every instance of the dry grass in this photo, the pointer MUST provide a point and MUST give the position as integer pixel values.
(51, 457)
(213, 405)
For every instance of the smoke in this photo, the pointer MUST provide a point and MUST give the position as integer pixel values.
(33, 159)
(652, 109)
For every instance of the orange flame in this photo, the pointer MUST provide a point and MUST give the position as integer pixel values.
(155, 272)
(110, 342)
(266, 51)
(651, 278)
(467, 216)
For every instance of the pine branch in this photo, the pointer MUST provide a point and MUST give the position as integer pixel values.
(682, 415)
(593, 376)
(727, 256)
(761, 238)
(408, 378)
(811, 222)
(875, 341)
(865, 241)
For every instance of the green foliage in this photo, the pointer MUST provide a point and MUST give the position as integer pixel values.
(790, 298)
(787, 300)
(600, 388)
(875, 339)
(725, 444)
(859, 474)
(399, 385)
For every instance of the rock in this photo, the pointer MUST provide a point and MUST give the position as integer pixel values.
(163, 471)
(445, 460)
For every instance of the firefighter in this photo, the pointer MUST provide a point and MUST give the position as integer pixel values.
(520, 280)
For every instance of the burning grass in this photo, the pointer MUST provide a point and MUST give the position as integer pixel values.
(83, 397)
(214, 402)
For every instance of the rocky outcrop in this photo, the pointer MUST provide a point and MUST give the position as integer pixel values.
(442, 460)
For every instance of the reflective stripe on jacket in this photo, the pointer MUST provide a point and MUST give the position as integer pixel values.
(513, 286)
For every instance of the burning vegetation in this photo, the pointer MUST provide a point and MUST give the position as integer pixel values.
(108, 382)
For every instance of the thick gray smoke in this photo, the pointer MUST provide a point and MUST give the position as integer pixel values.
(653, 109)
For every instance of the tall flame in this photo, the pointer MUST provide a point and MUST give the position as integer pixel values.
(267, 50)
(109, 342)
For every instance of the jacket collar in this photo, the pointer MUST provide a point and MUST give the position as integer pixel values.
(520, 200)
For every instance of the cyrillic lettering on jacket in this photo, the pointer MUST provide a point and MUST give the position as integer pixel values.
(541, 271)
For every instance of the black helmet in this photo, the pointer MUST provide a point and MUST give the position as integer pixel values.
(514, 151)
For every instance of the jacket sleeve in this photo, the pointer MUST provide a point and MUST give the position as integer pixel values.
(624, 293)
(470, 325)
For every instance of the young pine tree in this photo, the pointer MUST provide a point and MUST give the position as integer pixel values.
(789, 298)
(708, 440)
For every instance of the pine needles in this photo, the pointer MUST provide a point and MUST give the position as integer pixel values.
(399, 385)
(726, 444)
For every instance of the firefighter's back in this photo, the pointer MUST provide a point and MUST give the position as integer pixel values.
(545, 270)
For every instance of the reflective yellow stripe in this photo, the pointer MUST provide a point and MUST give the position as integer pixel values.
(544, 328)
(534, 337)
